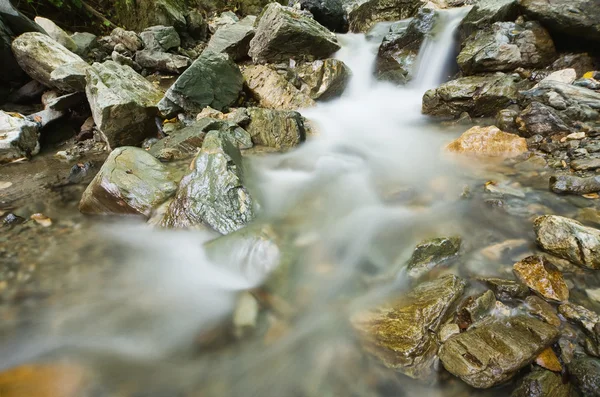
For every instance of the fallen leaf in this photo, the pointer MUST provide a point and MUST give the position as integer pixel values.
(547, 359)
(42, 219)
(564, 163)
(588, 75)
(591, 195)
(5, 185)
(173, 120)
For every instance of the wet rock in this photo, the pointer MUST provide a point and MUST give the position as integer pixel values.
(570, 184)
(56, 33)
(131, 181)
(48, 379)
(581, 316)
(18, 137)
(272, 89)
(542, 309)
(431, 253)
(543, 383)
(213, 194)
(402, 333)
(447, 331)
(130, 40)
(569, 239)
(475, 309)
(542, 277)
(539, 119)
(506, 46)
(547, 359)
(399, 49)
(505, 120)
(280, 129)
(585, 375)
(160, 38)
(368, 13)
(505, 290)
(585, 164)
(486, 12)
(162, 61)
(580, 62)
(39, 56)
(284, 33)
(488, 142)
(233, 40)
(123, 103)
(212, 80)
(579, 18)
(85, 42)
(329, 13)
(476, 95)
(496, 350)
(323, 79)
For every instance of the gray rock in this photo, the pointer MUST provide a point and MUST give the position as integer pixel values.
(476, 95)
(18, 137)
(212, 80)
(402, 333)
(369, 12)
(329, 13)
(85, 42)
(160, 38)
(123, 103)
(486, 12)
(213, 194)
(162, 61)
(431, 253)
(56, 33)
(224, 19)
(585, 164)
(506, 46)
(280, 129)
(131, 181)
(568, 239)
(506, 120)
(233, 40)
(571, 184)
(542, 382)
(127, 38)
(140, 14)
(39, 56)
(585, 375)
(284, 33)
(16, 21)
(70, 76)
(495, 351)
(323, 79)
(539, 119)
(197, 25)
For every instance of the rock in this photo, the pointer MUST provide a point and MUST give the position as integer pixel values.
(18, 137)
(505, 290)
(160, 38)
(224, 19)
(85, 42)
(488, 142)
(28, 93)
(11, 75)
(272, 89)
(580, 18)
(431, 253)
(399, 49)
(570, 184)
(476, 309)
(566, 76)
(140, 14)
(542, 309)
(329, 13)
(71, 77)
(123, 103)
(540, 119)
(56, 33)
(447, 331)
(131, 181)
(130, 40)
(197, 26)
(476, 95)
(280, 129)
(284, 33)
(245, 314)
(542, 277)
(15, 21)
(506, 46)
(585, 375)
(363, 17)
(233, 40)
(47, 379)
(39, 56)
(485, 13)
(505, 120)
(547, 359)
(212, 80)
(496, 350)
(162, 61)
(578, 103)
(402, 333)
(543, 383)
(585, 164)
(213, 194)
(580, 62)
(323, 79)
(568, 239)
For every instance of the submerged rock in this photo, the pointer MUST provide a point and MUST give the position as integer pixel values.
(542, 277)
(368, 13)
(284, 33)
(585, 374)
(329, 13)
(123, 103)
(233, 40)
(430, 253)
(213, 194)
(540, 119)
(570, 184)
(280, 129)
(495, 351)
(402, 333)
(323, 79)
(488, 142)
(56, 33)
(160, 38)
(131, 181)
(568, 239)
(18, 137)
(541, 383)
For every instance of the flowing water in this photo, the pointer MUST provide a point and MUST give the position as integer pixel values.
(347, 207)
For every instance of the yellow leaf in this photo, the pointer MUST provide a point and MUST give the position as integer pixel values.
(588, 75)
(591, 195)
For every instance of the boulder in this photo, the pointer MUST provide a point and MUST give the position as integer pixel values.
(585, 374)
(233, 40)
(162, 61)
(363, 17)
(402, 333)
(431, 253)
(160, 38)
(280, 129)
(212, 80)
(568, 239)
(85, 42)
(323, 79)
(476, 95)
(12, 74)
(579, 18)
(15, 21)
(506, 46)
(488, 142)
(56, 33)
(571, 184)
(283, 33)
(400, 47)
(130, 40)
(567, 76)
(141, 14)
(542, 382)
(18, 137)
(213, 194)
(131, 181)
(39, 56)
(123, 103)
(581, 62)
(585, 164)
(224, 19)
(485, 13)
(494, 351)
(329, 13)
(542, 277)
(576, 103)
(272, 90)
(70, 76)
(506, 120)
(539, 119)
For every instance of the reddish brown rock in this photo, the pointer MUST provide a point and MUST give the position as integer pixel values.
(488, 142)
(542, 277)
